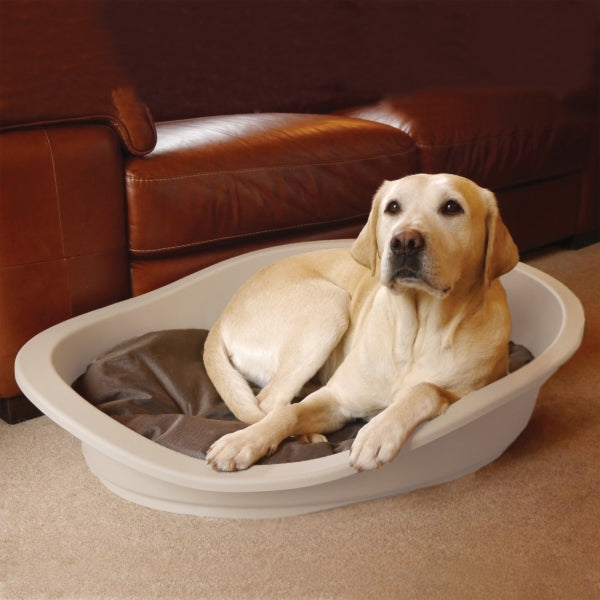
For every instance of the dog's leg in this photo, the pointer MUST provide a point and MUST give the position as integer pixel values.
(239, 450)
(280, 348)
(304, 340)
(380, 440)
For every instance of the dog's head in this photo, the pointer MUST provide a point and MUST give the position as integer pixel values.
(433, 232)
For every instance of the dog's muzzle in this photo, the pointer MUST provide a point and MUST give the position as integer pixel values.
(406, 257)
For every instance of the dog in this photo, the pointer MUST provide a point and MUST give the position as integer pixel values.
(395, 328)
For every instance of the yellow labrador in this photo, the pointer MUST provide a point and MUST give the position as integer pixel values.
(395, 328)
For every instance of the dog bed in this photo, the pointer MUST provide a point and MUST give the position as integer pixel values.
(547, 319)
(156, 385)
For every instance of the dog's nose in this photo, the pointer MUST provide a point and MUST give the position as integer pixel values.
(407, 242)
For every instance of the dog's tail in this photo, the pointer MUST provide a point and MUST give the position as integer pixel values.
(231, 385)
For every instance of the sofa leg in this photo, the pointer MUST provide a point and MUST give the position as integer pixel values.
(17, 409)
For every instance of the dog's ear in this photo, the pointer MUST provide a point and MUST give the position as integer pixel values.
(501, 251)
(364, 249)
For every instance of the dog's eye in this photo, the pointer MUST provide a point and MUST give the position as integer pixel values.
(392, 207)
(451, 208)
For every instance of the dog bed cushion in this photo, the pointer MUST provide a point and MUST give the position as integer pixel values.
(156, 385)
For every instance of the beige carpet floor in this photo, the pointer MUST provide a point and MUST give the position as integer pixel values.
(526, 526)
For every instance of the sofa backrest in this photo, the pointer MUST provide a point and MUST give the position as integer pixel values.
(73, 60)
(191, 58)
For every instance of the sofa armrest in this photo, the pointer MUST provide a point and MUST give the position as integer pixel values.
(59, 66)
(63, 245)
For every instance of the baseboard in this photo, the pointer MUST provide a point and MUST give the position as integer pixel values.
(17, 409)
(580, 240)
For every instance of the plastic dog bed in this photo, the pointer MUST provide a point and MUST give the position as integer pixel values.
(547, 319)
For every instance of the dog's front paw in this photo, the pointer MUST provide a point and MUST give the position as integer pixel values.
(237, 451)
(376, 444)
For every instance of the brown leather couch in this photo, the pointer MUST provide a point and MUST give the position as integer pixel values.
(141, 141)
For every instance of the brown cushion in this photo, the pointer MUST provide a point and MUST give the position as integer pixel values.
(59, 65)
(497, 137)
(157, 385)
(220, 180)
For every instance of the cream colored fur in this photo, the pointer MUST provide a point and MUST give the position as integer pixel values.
(408, 320)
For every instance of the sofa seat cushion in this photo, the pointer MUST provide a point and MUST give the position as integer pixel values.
(218, 181)
(497, 137)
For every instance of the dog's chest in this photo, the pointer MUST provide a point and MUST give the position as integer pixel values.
(404, 343)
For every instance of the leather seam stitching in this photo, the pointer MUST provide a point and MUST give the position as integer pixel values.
(59, 214)
(135, 179)
(138, 252)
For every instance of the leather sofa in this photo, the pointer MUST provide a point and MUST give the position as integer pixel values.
(141, 141)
